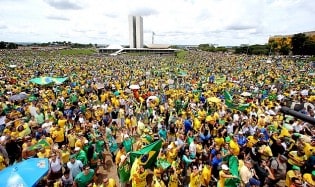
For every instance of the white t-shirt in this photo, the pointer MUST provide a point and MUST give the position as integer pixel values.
(55, 166)
(75, 168)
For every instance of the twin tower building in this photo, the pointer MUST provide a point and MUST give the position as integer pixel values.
(135, 32)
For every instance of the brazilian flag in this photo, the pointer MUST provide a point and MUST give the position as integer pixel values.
(230, 103)
(40, 143)
(147, 156)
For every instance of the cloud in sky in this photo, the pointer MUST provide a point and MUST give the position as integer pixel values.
(222, 22)
(64, 4)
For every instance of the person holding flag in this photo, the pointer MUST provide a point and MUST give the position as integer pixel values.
(124, 170)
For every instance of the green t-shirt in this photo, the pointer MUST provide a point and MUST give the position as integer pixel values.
(128, 144)
(99, 146)
(124, 172)
(83, 180)
(82, 157)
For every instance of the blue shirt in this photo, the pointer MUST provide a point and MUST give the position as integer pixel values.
(241, 140)
(216, 161)
(187, 125)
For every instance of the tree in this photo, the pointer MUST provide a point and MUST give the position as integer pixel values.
(298, 42)
(3, 45)
(309, 47)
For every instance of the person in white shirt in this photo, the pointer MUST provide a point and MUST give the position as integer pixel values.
(55, 171)
(75, 166)
(193, 149)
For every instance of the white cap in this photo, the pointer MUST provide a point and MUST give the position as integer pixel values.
(86, 141)
(225, 167)
(126, 136)
(77, 149)
(122, 157)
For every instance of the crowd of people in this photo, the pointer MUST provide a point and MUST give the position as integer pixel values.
(217, 114)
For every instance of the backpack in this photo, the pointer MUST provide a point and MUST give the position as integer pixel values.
(274, 159)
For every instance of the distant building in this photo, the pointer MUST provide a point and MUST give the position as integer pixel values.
(135, 32)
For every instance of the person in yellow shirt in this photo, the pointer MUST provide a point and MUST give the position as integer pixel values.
(173, 182)
(297, 158)
(205, 175)
(234, 147)
(65, 154)
(194, 177)
(62, 122)
(139, 179)
(252, 140)
(309, 179)
(308, 147)
(157, 182)
(71, 137)
(2, 162)
(295, 172)
(43, 153)
(120, 152)
(109, 182)
(224, 174)
(58, 135)
(265, 151)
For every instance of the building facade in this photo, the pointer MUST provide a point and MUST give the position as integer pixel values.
(135, 32)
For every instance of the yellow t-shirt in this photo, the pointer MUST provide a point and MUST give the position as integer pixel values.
(251, 141)
(71, 140)
(294, 159)
(219, 141)
(44, 155)
(2, 165)
(173, 180)
(205, 176)
(65, 156)
(307, 177)
(221, 179)
(139, 179)
(58, 135)
(194, 180)
(290, 174)
(308, 149)
(62, 123)
(111, 183)
(265, 152)
(234, 147)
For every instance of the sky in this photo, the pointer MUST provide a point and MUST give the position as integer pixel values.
(174, 22)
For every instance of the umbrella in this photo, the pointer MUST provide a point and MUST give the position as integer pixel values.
(134, 87)
(246, 94)
(213, 100)
(12, 66)
(25, 173)
(18, 97)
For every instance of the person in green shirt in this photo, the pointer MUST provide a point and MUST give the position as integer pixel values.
(84, 178)
(124, 170)
(128, 143)
(81, 155)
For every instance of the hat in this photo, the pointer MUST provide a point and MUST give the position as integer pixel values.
(86, 141)
(294, 167)
(77, 149)
(225, 167)
(122, 158)
(240, 132)
(126, 136)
